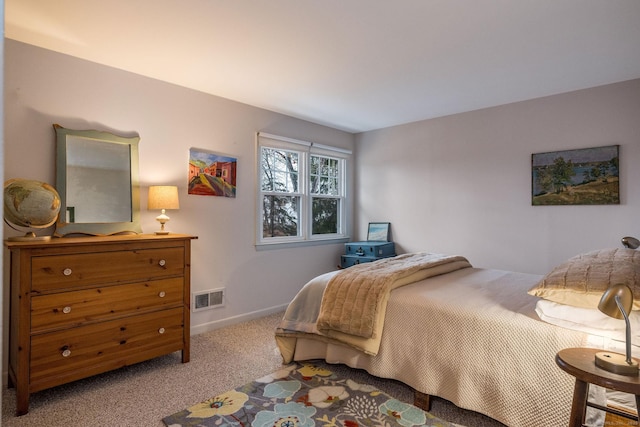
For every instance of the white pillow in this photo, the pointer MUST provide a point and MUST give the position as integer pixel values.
(589, 320)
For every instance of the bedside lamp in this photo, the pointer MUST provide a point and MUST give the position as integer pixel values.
(630, 242)
(616, 302)
(163, 197)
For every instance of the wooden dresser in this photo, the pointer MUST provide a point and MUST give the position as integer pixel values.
(86, 305)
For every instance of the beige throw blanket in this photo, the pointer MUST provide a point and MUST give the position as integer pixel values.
(355, 299)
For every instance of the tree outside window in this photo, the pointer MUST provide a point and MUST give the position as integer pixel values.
(302, 194)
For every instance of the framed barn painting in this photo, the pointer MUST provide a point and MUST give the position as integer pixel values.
(211, 174)
(587, 176)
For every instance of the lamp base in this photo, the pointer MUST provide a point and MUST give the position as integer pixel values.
(616, 363)
(162, 219)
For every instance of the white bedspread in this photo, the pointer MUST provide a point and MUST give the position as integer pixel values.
(472, 337)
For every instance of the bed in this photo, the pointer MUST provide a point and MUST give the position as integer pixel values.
(473, 336)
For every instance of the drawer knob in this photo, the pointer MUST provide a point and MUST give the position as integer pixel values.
(162, 262)
(67, 272)
(66, 310)
(162, 294)
(66, 353)
(161, 331)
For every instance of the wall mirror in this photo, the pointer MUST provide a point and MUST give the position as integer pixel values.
(97, 179)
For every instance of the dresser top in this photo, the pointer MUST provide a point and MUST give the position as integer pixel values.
(66, 241)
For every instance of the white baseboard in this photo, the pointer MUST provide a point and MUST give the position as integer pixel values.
(245, 317)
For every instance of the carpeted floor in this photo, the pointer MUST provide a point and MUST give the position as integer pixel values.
(221, 360)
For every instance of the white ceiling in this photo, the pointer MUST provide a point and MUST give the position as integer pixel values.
(354, 65)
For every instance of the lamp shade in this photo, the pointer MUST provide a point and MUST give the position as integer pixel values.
(616, 302)
(608, 303)
(163, 197)
(630, 242)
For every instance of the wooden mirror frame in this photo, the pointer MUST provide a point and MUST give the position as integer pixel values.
(64, 228)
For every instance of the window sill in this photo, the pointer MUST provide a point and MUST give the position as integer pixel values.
(300, 244)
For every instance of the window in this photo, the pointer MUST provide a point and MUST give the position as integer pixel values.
(301, 191)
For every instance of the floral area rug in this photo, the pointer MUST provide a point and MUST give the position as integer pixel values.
(303, 395)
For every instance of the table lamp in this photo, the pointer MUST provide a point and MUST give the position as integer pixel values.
(617, 302)
(163, 197)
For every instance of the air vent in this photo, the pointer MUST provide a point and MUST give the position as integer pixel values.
(208, 299)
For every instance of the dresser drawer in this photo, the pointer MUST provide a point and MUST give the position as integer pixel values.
(79, 270)
(75, 353)
(69, 309)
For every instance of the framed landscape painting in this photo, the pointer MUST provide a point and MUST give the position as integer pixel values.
(211, 174)
(587, 176)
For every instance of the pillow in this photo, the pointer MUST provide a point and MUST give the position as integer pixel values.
(580, 281)
(591, 321)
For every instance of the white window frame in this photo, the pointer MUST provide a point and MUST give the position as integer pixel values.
(305, 150)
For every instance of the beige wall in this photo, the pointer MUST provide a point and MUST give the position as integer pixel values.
(43, 87)
(462, 184)
(457, 184)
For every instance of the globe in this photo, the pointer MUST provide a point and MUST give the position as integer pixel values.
(30, 204)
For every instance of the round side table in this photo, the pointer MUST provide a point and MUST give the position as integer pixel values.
(580, 362)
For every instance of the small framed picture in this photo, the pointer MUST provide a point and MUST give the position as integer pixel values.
(378, 231)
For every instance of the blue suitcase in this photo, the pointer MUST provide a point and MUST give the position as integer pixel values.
(349, 260)
(371, 249)
(361, 252)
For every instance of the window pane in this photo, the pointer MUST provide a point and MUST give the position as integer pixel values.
(324, 175)
(279, 170)
(281, 216)
(325, 215)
